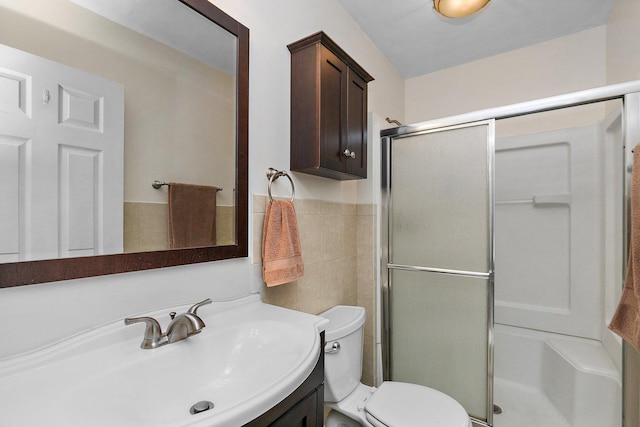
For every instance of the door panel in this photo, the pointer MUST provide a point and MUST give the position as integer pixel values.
(80, 109)
(440, 269)
(333, 117)
(357, 126)
(62, 138)
(12, 164)
(448, 350)
(79, 201)
(440, 207)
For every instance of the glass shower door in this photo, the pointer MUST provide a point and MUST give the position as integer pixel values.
(439, 285)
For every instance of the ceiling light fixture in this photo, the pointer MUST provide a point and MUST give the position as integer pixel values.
(458, 8)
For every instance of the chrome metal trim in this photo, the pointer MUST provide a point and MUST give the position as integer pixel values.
(491, 162)
(332, 348)
(201, 406)
(631, 136)
(153, 336)
(588, 96)
(384, 257)
(387, 265)
(274, 174)
(439, 270)
(479, 423)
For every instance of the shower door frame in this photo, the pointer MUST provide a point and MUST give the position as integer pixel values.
(487, 276)
(628, 93)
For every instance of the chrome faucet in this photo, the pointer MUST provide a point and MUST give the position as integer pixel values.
(186, 324)
(181, 327)
(153, 336)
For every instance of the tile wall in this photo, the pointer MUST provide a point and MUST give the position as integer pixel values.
(145, 226)
(338, 251)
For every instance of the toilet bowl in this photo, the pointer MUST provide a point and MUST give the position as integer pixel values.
(393, 404)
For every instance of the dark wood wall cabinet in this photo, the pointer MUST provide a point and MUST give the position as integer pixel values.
(328, 110)
(302, 408)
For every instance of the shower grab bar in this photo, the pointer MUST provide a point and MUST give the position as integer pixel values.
(159, 184)
(272, 175)
(540, 199)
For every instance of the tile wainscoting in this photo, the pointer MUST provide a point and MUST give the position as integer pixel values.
(146, 226)
(338, 249)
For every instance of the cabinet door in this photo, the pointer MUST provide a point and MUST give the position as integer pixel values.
(333, 111)
(303, 414)
(357, 125)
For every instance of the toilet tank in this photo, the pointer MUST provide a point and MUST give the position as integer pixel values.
(343, 367)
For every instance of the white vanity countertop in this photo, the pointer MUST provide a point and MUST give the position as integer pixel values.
(248, 358)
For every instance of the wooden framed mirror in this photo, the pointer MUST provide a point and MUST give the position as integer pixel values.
(34, 35)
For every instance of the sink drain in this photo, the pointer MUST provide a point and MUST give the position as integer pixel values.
(496, 409)
(203, 405)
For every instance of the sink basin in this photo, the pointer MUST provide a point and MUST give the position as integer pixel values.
(247, 359)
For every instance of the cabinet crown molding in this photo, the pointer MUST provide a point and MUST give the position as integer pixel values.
(322, 38)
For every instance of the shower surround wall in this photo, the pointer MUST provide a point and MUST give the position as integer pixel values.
(552, 347)
(548, 232)
(338, 250)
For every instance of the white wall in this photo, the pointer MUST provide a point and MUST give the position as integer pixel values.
(36, 315)
(623, 42)
(563, 65)
(274, 25)
(31, 316)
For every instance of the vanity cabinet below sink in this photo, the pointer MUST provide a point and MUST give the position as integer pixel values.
(302, 408)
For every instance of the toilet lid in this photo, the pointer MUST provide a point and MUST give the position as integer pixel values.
(397, 404)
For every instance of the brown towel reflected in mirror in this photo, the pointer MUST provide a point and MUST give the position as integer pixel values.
(192, 215)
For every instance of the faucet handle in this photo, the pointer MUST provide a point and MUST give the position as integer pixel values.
(195, 307)
(153, 336)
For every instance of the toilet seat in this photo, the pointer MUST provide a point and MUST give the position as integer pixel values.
(398, 404)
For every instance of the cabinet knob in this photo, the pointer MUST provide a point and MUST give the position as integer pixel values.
(349, 153)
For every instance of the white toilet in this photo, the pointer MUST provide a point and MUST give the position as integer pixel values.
(393, 404)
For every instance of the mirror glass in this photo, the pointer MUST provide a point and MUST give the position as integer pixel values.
(99, 100)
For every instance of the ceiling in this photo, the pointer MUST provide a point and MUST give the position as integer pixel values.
(417, 40)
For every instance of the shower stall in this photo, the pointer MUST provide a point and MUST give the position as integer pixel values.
(503, 237)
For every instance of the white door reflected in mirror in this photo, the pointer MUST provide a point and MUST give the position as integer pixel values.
(62, 155)
(178, 124)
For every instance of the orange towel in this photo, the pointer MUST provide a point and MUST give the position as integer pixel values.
(626, 319)
(192, 215)
(281, 253)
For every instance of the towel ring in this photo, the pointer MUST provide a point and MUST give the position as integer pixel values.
(272, 175)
